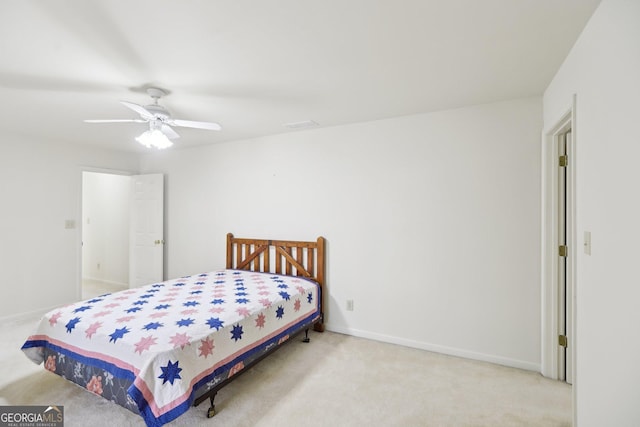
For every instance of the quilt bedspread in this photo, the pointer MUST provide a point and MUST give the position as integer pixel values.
(170, 338)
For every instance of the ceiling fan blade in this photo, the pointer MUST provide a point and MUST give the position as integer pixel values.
(169, 132)
(197, 125)
(144, 113)
(116, 121)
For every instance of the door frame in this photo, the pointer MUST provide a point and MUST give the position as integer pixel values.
(80, 223)
(550, 282)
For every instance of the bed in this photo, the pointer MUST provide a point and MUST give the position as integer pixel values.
(159, 349)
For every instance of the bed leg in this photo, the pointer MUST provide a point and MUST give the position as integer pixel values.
(212, 410)
(306, 336)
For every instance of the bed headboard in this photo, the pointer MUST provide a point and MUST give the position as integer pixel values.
(293, 258)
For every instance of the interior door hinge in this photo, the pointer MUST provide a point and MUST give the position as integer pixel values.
(563, 250)
(562, 340)
(564, 161)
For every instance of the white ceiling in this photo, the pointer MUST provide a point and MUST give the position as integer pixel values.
(254, 65)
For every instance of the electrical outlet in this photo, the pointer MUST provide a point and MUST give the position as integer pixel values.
(349, 305)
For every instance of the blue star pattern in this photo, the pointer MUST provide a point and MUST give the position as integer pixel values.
(309, 297)
(280, 312)
(152, 325)
(191, 303)
(72, 324)
(83, 308)
(170, 373)
(118, 333)
(185, 322)
(133, 309)
(217, 301)
(285, 296)
(236, 332)
(161, 307)
(242, 300)
(214, 322)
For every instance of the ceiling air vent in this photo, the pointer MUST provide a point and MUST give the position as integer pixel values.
(301, 125)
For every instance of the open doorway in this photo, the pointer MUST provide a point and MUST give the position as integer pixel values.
(559, 242)
(105, 233)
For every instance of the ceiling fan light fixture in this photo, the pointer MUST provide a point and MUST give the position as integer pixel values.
(154, 138)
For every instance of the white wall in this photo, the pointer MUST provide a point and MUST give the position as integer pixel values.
(105, 227)
(603, 70)
(432, 221)
(40, 188)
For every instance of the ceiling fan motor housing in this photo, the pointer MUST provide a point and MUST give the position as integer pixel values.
(158, 111)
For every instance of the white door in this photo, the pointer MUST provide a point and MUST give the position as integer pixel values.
(146, 242)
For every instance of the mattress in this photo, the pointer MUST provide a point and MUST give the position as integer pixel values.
(154, 349)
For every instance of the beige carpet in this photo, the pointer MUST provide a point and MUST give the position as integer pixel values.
(336, 380)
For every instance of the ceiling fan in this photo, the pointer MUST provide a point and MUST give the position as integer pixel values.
(160, 121)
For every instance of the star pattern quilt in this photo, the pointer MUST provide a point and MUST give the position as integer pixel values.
(172, 338)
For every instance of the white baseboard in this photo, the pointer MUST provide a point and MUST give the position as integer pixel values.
(451, 351)
(20, 317)
(107, 282)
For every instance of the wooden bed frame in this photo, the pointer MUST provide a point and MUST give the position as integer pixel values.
(292, 258)
(288, 257)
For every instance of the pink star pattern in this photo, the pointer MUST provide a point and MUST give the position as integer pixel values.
(158, 314)
(180, 340)
(216, 310)
(260, 320)
(102, 313)
(266, 302)
(54, 319)
(145, 343)
(296, 305)
(243, 311)
(92, 329)
(206, 347)
(125, 319)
